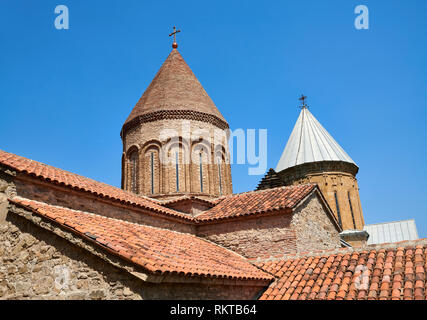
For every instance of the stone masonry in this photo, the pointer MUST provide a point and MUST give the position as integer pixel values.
(332, 178)
(307, 228)
(36, 264)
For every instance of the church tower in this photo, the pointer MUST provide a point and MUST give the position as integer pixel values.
(311, 155)
(175, 140)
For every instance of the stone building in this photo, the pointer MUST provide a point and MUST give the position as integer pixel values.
(175, 230)
(175, 140)
(311, 155)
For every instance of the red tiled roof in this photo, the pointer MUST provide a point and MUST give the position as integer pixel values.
(255, 202)
(236, 205)
(157, 250)
(72, 180)
(209, 202)
(386, 272)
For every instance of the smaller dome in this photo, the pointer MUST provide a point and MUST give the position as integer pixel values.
(310, 142)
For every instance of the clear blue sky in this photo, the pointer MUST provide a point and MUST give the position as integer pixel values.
(64, 94)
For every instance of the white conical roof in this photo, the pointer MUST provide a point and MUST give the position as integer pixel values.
(310, 142)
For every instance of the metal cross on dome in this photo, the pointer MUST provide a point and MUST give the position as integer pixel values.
(302, 99)
(174, 44)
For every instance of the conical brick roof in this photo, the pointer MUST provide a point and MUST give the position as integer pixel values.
(175, 88)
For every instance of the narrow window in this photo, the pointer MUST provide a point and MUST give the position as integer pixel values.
(351, 209)
(220, 178)
(338, 209)
(201, 172)
(152, 172)
(133, 171)
(177, 171)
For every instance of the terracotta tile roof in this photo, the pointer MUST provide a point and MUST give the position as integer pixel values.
(209, 202)
(77, 182)
(385, 272)
(157, 250)
(256, 202)
(236, 205)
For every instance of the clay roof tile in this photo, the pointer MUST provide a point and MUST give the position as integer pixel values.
(384, 281)
(156, 250)
(74, 181)
(257, 202)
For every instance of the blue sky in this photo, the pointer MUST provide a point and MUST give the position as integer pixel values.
(64, 94)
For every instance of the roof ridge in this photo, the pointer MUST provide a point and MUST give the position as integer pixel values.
(77, 175)
(300, 137)
(335, 251)
(48, 165)
(96, 214)
(267, 190)
(186, 197)
(83, 183)
(258, 202)
(310, 142)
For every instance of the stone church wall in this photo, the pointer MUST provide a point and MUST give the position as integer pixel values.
(345, 185)
(38, 264)
(332, 177)
(307, 229)
(255, 237)
(314, 229)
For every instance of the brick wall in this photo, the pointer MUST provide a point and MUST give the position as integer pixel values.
(147, 139)
(192, 207)
(253, 237)
(40, 191)
(332, 177)
(346, 188)
(308, 228)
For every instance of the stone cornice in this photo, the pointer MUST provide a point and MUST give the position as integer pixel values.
(174, 114)
(289, 175)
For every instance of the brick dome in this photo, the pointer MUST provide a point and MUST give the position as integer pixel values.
(193, 164)
(175, 92)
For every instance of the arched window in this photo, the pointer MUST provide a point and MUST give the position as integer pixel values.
(220, 177)
(221, 170)
(133, 168)
(201, 162)
(151, 169)
(177, 170)
(351, 209)
(122, 185)
(201, 171)
(175, 157)
(338, 208)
